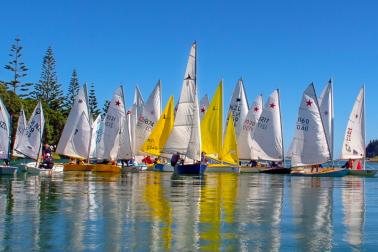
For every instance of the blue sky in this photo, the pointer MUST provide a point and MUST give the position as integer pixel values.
(271, 44)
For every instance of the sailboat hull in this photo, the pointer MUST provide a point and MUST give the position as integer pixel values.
(163, 168)
(78, 167)
(280, 170)
(8, 170)
(322, 173)
(190, 169)
(107, 168)
(222, 168)
(363, 173)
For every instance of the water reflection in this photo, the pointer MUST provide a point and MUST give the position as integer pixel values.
(353, 198)
(160, 212)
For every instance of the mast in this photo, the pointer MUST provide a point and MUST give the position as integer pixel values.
(90, 121)
(40, 134)
(282, 137)
(364, 129)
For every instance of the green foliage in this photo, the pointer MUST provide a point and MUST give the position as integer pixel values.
(18, 70)
(105, 108)
(372, 149)
(48, 89)
(93, 105)
(73, 90)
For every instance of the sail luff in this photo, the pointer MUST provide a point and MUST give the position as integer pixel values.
(4, 131)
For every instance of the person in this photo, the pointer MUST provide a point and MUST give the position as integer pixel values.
(359, 166)
(6, 161)
(175, 158)
(46, 150)
(147, 160)
(273, 164)
(203, 157)
(48, 162)
(316, 167)
(252, 163)
(157, 160)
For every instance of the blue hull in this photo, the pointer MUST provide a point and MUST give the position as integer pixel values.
(195, 169)
(334, 173)
(163, 168)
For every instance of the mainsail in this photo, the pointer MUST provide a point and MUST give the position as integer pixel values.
(211, 125)
(238, 106)
(125, 140)
(326, 110)
(21, 126)
(107, 147)
(30, 143)
(204, 104)
(354, 140)
(4, 131)
(150, 113)
(249, 125)
(309, 145)
(97, 128)
(160, 133)
(267, 143)
(186, 129)
(79, 111)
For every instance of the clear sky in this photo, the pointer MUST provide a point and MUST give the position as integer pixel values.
(271, 44)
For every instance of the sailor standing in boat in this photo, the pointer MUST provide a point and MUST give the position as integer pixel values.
(175, 158)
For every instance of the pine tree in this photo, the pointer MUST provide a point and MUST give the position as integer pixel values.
(105, 108)
(73, 90)
(18, 70)
(93, 105)
(48, 88)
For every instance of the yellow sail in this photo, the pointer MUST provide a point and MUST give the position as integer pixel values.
(160, 133)
(230, 148)
(211, 125)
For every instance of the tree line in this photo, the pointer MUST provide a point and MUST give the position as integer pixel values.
(17, 93)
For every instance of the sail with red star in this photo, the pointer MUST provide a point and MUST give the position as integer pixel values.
(267, 143)
(204, 104)
(249, 125)
(309, 145)
(354, 139)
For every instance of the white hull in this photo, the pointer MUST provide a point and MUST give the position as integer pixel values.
(31, 168)
(135, 168)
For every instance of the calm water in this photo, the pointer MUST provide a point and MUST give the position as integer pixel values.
(157, 211)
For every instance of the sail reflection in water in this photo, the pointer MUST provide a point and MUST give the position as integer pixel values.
(154, 211)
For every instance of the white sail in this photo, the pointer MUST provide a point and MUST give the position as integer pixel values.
(125, 143)
(354, 140)
(186, 125)
(150, 113)
(135, 112)
(96, 133)
(267, 136)
(4, 131)
(309, 145)
(249, 125)
(194, 147)
(107, 147)
(66, 146)
(204, 104)
(30, 143)
(326, 110)
(238, 107)
(21, 126)
(80, 138)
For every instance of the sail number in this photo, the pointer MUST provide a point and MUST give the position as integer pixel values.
(349, 135)
(110, 119)
(248, 125)
(302, 124)
(263, 122)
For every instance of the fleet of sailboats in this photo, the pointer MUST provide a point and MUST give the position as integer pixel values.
(193, 132)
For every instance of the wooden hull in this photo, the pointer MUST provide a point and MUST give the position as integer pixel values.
(363, 173)
(190, 169)
(280, 170)
(78, 167)
(8, 170)
(163, 168)
(324, 173)
(106, 168)
(222, 168)
(249, 169)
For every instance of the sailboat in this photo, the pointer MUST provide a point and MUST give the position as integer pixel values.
(267, 138)
(107, 147)
(223, 155)
(246, 134)
(310, 146)
(159, 136)
(76, 136)
(354, 139)
(185, 137)
(5, 133)
(31, 141)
